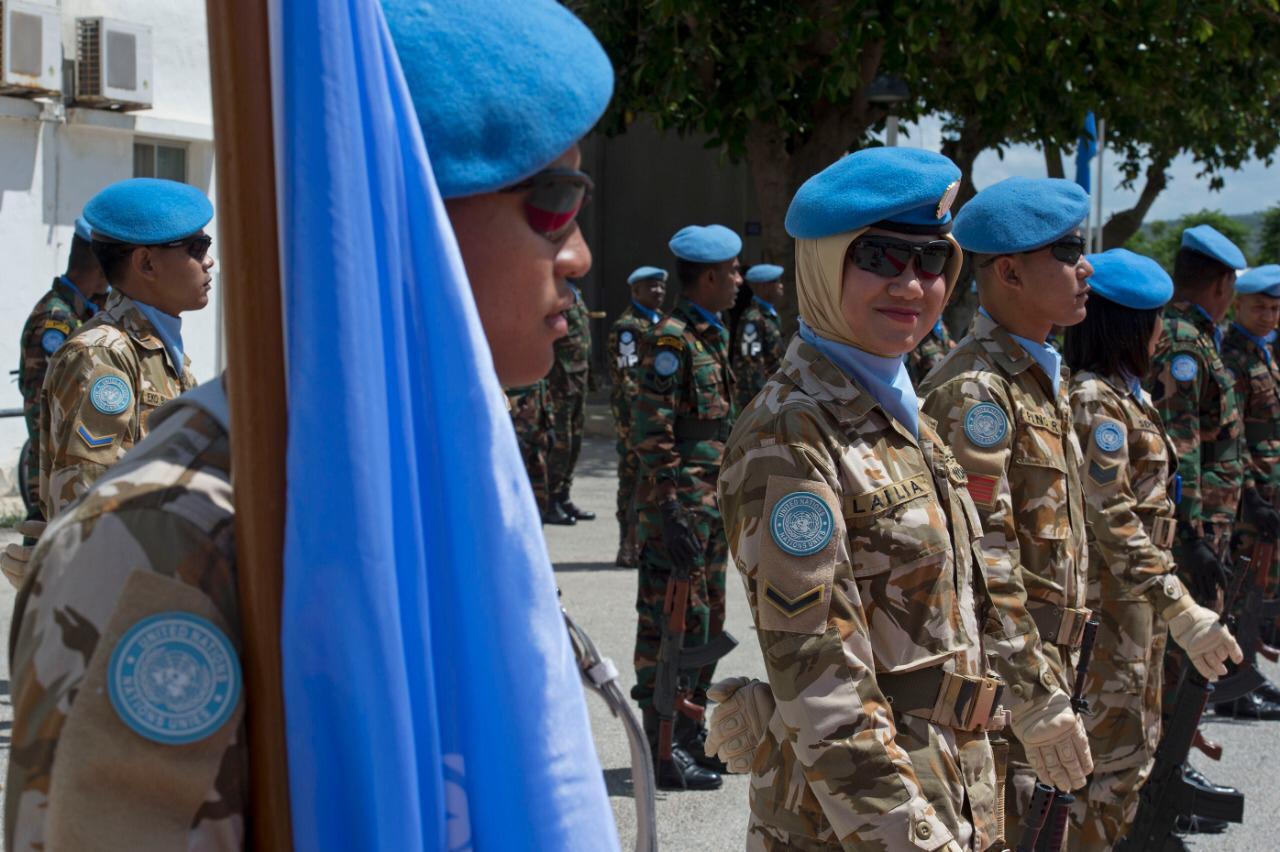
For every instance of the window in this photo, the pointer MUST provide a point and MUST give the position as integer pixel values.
(155, 159)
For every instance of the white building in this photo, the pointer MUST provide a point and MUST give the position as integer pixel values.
(56, 150)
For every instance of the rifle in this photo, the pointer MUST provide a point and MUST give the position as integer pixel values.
(1166, 794)
(1035, 815)
(672, 689)
(1255, 611)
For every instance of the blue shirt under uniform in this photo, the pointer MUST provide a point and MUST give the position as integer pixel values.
(93, 308)
(169, 330)
(765, 306)
(651, 316)
(714, 319)
(1043, 353)
(886, 379)
(1264, 342)
(1217, 332)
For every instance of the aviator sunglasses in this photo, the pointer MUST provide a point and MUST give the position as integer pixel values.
(197, 245)
(888, 258)
(553, 199)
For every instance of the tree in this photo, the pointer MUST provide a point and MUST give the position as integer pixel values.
(1163, 239)
(1269, 243)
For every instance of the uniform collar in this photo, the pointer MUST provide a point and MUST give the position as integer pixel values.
(127, 315)
(1263, 343)
(765, 306)
(707, 316)
(651, 316)
(886, 379)
(1200, 318)
(80, 303)
(1021, 352)
(169, 329)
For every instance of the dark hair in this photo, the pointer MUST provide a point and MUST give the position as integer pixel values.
(1195, 271)
(688, 272)
(114, 257)
(1112, 340)
(81, 258)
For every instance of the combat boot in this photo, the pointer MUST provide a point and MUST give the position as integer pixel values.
(1268, 692)
(692, 737)
(681, 772)
(1197, 779)
(566, 506)
(1252, 706)
(556, 515)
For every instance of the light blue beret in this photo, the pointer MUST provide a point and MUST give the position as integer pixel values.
(1208, 240)
(147, 211)
(1260, 279)
(83, 231)
(1020, 214)
(763, 273)
(1130, 279)
(876, 186)
(705, 244)
(644, 273)
(502, 87)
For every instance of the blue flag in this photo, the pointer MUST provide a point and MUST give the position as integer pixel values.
(1085, 151)
(432, 700)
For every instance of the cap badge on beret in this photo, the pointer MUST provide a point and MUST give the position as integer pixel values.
(948, 198)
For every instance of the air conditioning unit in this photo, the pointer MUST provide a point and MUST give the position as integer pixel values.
(30, 49)
(113, 64)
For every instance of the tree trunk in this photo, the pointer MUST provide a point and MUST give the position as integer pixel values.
(1053, 160)
(963, 151)
(1123, 225)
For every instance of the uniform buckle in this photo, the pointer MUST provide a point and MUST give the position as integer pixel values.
(1071, 628)
(966, 702)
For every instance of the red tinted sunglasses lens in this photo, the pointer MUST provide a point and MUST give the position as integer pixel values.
(552, 206)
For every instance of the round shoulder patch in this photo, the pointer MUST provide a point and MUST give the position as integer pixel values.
(110, 395)
(51, 340)
(666, 363)
(174, 678)
(1183, 368)
(1108, 436)
(626, 336)
(749, 329)
(801, 523)
(986, 425)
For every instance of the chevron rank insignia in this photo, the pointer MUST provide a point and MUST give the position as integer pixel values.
(94, 441)
(791, 607)
(1103, 474)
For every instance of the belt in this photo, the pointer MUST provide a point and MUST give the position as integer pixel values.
(693, 429)
(1163, 531)
(1059, 625)
(1257, 433)
(964, 702)
(1225, 450)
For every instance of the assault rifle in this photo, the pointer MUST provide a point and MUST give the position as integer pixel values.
(1256, 610)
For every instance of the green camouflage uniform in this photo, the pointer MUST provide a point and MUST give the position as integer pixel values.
(55, 317)
(531, 416)
(757, 348)
(624, 362)
(79, 439)
(679, 424)
(1024, 478)
(930, 352)
(567, 385)
(1128, 478)
(154, 535)
(864, 626)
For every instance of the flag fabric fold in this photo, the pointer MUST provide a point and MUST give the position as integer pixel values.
(1086, 149)
(432, 700)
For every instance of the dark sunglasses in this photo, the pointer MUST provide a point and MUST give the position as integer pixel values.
(888, 258)
(197, 245)
(1067, 250)
(553, 199)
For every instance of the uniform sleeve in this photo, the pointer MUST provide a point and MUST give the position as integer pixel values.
(617, 382)
(817, 651)
(1012, 640)
(1179, 404)
(664, 365)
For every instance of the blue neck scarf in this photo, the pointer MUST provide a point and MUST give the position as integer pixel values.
(93, 309)
(1134, 384)
(651, 316)
(765, 306)
(886, 379)
(1217, 332)
(1043, 353)
(714, 319)
(1263, 343)
(169, 330)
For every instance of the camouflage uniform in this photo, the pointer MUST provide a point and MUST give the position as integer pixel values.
(757, 348)
(154, 535)
(79, 440)
(1128, 475)
(55, 317)
(679, 424)
(1025, 482)
(567, 385)
(864, 630)
(624, 361)
(930, 352)
(531, 416)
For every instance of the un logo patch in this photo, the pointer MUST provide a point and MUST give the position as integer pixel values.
(801, 523)
(110, 395)
(1183, 368)
(985, 425)
(1109, 437)
(666, 363)
(174, 678)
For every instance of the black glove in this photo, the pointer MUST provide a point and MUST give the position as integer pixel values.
(1262, 515)
(682, 542)
(1206, 571)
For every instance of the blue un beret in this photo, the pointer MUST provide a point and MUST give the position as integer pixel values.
(83, 231)
(705, 244)
(876, 186)
(1130, 279)
(763, 273)
(147, 211)
(1207, 240)
(1020, 214)
(644, 273)
(1260, 279)
(502, 87)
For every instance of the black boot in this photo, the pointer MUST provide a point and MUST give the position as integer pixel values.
(1196, 778)
(556, 515)
(566, 505)
(1184, 824)
(1252, 706)
(692, 737)
(1268, 692)
(681, 772)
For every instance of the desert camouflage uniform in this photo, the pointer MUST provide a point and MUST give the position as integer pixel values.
(757, 348)
(930, 352)
(624, 362)
(678, 428)
(858, 633)
(78, 442)
(567, 386)
(1130, 513)
(154, 534)
(57, 315)
(1027, 488)
(531, 417)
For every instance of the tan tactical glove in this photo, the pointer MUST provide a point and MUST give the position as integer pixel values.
(1054, 738)
(16, 557)
(1207, 641)
(739, 720)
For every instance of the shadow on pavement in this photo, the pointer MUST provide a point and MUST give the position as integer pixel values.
(618, 782)
(577, 567)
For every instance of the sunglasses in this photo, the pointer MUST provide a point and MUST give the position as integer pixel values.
(1067, 250)
(197, 245)
(553, 199)
(888, 258)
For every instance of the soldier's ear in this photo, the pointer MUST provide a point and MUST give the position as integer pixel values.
(143, 262)
(1006, 269)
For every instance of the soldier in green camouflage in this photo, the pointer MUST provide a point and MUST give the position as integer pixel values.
(680, 420)
(1128, 488)
(535, 433)
(567, 387)
(757, 342)
(648, 288)
(930, 352)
